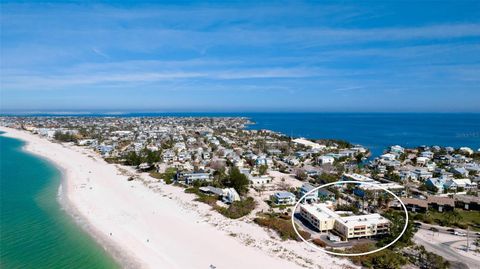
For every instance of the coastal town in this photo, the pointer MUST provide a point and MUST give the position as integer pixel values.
(259, 176)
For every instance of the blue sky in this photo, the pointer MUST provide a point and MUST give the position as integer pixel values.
(242, 56)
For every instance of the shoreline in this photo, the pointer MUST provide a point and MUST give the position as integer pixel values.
(122, 259)
(144, 228)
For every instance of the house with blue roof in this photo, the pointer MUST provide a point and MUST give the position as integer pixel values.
(437, 183)
(283, 198)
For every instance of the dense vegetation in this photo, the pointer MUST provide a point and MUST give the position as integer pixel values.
(236, 180)
(238, 209)
(282, 225)
(64, 137)
(145, 156)
(201, 197)
(427, 259)
(385, 259)
(332, 142)
(397, 219)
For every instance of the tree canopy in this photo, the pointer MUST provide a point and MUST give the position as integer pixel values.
(237, 180)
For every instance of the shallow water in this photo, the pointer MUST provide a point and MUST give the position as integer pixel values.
(35, 232)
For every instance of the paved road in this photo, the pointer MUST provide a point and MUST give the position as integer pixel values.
(442, 229)
(445, 250)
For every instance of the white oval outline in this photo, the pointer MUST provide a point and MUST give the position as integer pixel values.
(350, 254)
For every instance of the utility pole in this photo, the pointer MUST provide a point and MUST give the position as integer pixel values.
(468, 234)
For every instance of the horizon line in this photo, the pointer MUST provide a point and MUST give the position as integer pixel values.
(130, 112)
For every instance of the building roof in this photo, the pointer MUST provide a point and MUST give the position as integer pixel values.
(325, 192)
(369, 219)
(322, 212)
(308, 143)
(468, 199)
(307, 187)
(358, 177)
(382, 186)
(284, 195)
(440, 200)
(212, 189)
(417, 202)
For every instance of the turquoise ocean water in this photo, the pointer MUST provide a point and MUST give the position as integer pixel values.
(35, 232)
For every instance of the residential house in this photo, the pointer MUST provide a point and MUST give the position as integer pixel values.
(437, 183)
(326, 195)
(422, 161)
(211, 190)
(388, 157)
(283, 198)
(421, 174)
(190, 177)
(230, 195)
(168, 156)
(460, 171)
(311, 197)
(456, 184)
(466, 150)
(397, 149)
(261, 180)
(427, 154)
(325, 160)
(347, 153)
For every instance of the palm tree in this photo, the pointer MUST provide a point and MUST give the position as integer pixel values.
(387, 200)
(380, 201)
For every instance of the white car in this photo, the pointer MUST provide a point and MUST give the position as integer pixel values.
(459, 233)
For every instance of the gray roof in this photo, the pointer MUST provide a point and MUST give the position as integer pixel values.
(212, 189)
(307, 187)
(284, 194)
(324, 192)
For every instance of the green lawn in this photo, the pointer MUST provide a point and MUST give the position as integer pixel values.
(466, 218)
(470, 216)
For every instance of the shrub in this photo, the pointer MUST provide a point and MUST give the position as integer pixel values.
(111, 160)
(319, 242)
(201, 197)
(238, 209)
(283, 227)
(385, 259)
(167, 176)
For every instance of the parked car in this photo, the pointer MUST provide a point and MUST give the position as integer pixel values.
(459, 233)
(433, 229)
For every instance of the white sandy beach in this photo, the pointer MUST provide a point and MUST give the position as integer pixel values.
(146, 224)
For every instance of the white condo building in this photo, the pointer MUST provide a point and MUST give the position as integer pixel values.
(323, 218)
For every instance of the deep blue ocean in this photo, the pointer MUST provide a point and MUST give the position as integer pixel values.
(376, 131)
